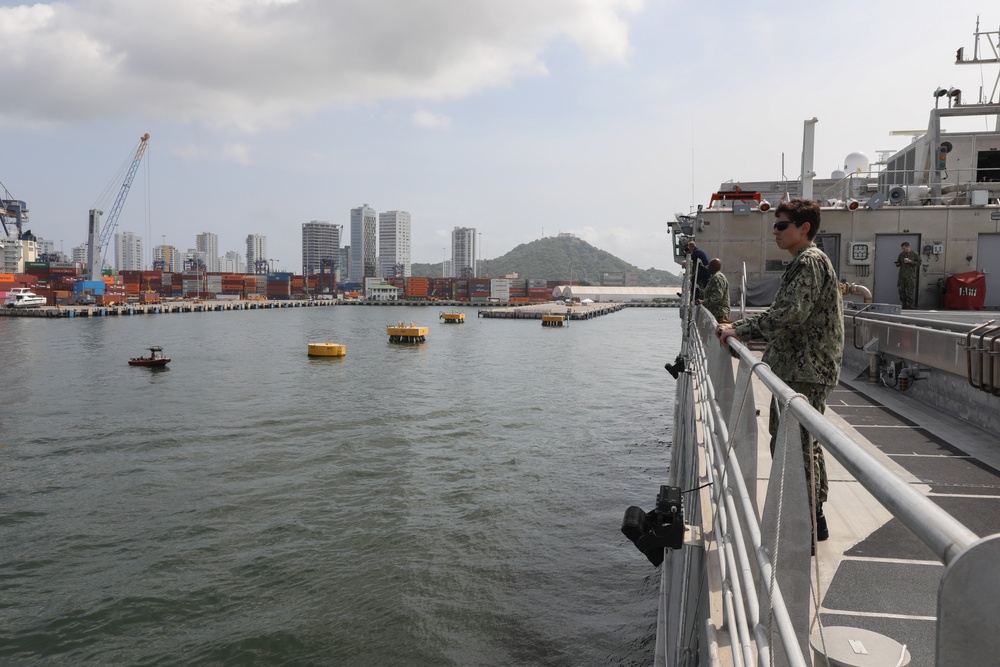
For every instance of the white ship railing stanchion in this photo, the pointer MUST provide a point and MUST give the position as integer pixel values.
(967, 607)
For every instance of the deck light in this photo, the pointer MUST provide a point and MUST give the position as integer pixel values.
(764, 206)
(852, 205)
(938, 94)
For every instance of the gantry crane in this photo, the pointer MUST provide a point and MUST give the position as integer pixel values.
(97, 245)
(13, 211)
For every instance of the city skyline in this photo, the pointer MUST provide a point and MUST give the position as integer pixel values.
(602, 118)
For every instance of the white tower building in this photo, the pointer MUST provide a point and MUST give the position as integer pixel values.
(232, 262)
(208, 244)
(128, 252)
(167, 259)
(394, 244)
(364, 243)
(320, 243)
(463, 252)
(256, 253)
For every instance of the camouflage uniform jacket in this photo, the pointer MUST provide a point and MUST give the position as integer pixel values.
(804, 327)
(716, 297)
(907, 272)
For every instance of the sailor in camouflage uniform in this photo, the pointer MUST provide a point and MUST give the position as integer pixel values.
(804, 330)
(716, 298)
(909, 264)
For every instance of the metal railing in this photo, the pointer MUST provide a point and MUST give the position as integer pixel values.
(752, 558)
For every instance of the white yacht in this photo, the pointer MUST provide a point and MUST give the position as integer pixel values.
(22, 297)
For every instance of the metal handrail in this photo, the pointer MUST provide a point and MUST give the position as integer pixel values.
(710, 438)
(728, 525)
(945, 535)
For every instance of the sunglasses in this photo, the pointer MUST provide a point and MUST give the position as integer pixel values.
(782, 225)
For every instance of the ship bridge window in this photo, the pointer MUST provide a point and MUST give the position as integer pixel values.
(988, 166)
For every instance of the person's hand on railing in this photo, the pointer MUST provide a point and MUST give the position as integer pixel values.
(724, 332)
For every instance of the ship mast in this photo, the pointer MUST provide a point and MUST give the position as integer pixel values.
(992, 40)
(936, 155)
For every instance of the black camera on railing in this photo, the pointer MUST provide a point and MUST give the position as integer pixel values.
(663, 528)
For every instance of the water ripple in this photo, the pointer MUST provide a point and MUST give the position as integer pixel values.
(453, 503)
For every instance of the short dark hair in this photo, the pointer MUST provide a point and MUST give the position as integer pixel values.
(904, 244)
(800, 211)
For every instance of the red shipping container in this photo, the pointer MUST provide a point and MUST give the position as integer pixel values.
(965, 291)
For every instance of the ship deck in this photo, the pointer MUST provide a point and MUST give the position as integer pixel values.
(873, 573)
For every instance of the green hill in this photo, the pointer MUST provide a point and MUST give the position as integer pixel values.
(561, 258)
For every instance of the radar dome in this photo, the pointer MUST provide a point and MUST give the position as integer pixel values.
(838, 174)
(855, 162)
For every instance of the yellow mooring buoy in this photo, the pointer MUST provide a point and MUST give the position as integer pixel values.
(327, 350)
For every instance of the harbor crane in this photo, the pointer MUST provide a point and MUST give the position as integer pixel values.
(97, 244)
(13, 212)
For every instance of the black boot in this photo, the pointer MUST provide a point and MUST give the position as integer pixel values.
(822, 532)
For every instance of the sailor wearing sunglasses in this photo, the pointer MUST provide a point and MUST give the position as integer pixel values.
(804, 330)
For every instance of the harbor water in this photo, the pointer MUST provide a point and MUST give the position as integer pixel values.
(456, 502)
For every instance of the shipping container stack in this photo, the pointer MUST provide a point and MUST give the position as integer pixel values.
(232, 284)
(132, 280)
(255, 286)
(114, 294)
(279, 286)
(500, 289)
(538, 290)
(417, 289)
(518, 290)
(440, 289)
(58, 283)
(479, 289)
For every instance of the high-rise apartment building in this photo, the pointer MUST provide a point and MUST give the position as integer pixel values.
(14, 253)
(166, 258)
(232, 262)
(194, 260)
(463, 252)
(208, 245)
(128, 252)
(320, 247)
(364, 244)
(256, 253)
(394, 244)
(344, 265)
(79, 255)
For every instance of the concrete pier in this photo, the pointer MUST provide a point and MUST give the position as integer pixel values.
(539, 310)
(164, 307)
(501, 311)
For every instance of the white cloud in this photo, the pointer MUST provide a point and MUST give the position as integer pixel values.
(430, 120)
(236, 152)
(249, 64)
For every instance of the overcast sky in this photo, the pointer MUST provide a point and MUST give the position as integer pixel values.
(521, 118)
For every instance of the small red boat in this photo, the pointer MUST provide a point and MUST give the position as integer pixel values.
(155, 358)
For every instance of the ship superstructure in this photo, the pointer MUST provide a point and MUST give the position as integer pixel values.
(909, 571)
(941, 194)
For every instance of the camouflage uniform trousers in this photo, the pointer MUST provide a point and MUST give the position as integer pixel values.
(907, 285)
(816, 394)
